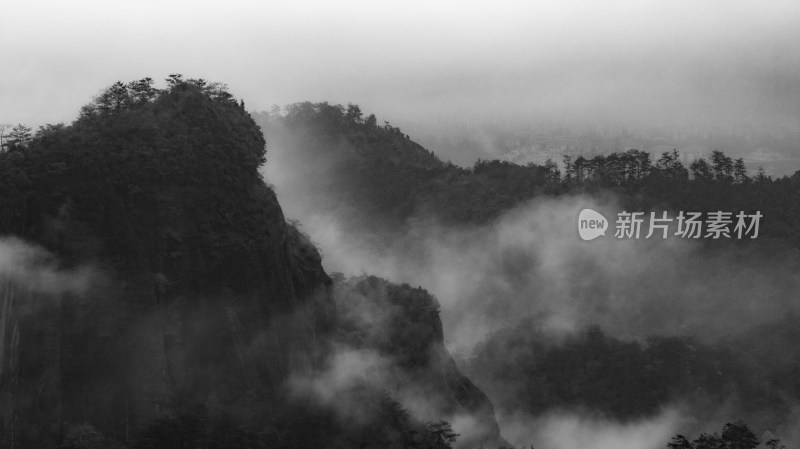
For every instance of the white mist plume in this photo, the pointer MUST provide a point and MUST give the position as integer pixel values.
(37, 269)
(348, 369)
(531, 260)
(573, 431)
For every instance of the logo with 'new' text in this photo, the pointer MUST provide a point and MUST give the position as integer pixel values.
(591, 224)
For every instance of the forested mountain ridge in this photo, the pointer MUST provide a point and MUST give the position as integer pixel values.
(353, 160)
(401, 324)
(118, 166)
(627, 380)
(203, 291)
(703, 330)
(205, 312)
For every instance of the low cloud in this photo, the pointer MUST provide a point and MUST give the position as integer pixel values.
(38, 270)
(531, 261)
(561, 430)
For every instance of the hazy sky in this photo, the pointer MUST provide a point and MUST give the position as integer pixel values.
(720, 61)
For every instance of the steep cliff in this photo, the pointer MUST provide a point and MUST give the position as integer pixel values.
(202, 294)
(160, 298)
(398, 330)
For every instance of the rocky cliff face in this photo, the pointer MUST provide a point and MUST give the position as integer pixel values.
(397, 328)
(143, 344)
(201, 294)
(195, 293)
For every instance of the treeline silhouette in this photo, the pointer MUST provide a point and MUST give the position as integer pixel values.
(525, 368)
(733, 436)
(389, 178)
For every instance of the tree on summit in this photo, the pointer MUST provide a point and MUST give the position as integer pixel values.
(722, 166)
(19, 136)
(142, 91)
(670, 165)
(701, 170)
(353, 114)
(740, 171)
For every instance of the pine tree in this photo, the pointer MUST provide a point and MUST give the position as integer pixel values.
(19, 137)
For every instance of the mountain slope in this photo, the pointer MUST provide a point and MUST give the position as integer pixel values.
(203, 295)
(377, 178)
(159, 298)
(400, 326)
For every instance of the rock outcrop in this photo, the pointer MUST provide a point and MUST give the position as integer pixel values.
(400, 325)
(199, 294)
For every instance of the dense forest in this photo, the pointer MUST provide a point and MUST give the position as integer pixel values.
(114, 166)
(382, 184)
(522, 367)
(393, 179)
(161, 187)
(209, 322)
(733, 436)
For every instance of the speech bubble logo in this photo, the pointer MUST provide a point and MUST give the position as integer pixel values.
(591, 224)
